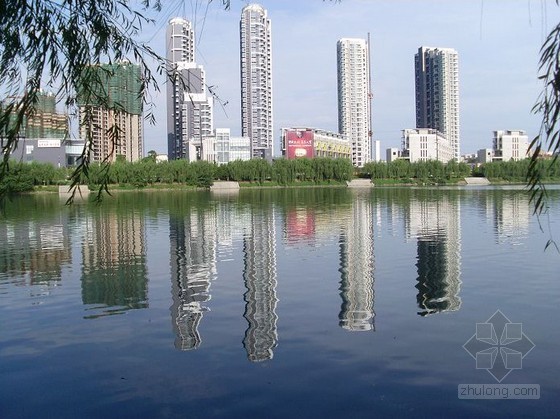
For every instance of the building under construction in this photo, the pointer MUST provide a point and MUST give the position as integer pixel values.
(42, 121)
(110, 100)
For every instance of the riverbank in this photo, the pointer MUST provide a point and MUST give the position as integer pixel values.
(274, 185)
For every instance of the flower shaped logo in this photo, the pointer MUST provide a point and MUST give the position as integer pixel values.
(499, 346)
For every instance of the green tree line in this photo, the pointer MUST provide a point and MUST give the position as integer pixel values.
(431, 171)
(518, 171)
(24, 177)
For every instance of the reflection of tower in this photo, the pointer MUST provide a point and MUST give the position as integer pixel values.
(114, 266)
(193, 264)
(356, 268)
(511, 216)
(436, 226)
(35, 250)
(259, 275)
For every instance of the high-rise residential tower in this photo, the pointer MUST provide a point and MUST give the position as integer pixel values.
(354, 111)
(256, 80)
(111, 111)
(189, 107)
(437, 93)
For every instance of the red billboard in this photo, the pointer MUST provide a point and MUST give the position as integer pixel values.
(299, 144)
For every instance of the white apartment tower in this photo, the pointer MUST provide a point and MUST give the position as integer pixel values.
(189, 107)
(437, 93)
(354, 111)
(256, 80)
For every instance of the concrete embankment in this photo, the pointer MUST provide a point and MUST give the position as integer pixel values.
(477, 181)
(81, 191)
(360, 183)
(225, 186)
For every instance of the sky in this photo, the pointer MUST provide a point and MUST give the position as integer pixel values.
(498, 43)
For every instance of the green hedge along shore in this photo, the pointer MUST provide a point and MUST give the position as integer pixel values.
(28, 177)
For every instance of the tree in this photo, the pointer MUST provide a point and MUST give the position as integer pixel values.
(548, 104)
(152, 156)
(52, 44)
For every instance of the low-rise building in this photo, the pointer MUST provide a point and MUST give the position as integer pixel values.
(228, 148)
(43, 135)
(313, 142)
(422, 144)
(506, 145)
(510, 145)
(393, 154)
(57, 151)
(484, 155)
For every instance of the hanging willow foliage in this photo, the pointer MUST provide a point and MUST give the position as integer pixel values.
(50, 44)
(548, 105)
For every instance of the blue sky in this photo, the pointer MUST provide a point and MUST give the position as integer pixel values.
(498, 42)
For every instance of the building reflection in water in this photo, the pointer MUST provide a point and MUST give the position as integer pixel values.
(33, 252)
(259, 275)
(357, 266)
(114, 272)
(435, 224)
(193, 266)
(300, 225)
(512, 212)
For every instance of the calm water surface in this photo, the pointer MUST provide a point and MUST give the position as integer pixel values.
(276, 303)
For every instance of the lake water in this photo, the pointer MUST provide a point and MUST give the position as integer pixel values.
(318, 302)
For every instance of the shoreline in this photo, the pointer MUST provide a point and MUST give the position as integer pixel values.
(52, 189)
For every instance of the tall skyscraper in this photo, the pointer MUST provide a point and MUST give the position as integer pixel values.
(111, 111)
(354, 92)
(256, 80)
(437, 93)
(189, 107)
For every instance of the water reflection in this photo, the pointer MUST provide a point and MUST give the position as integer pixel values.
(511, 217)
(356, 266)
(508, 211)
(259, 276)
(300, 225)
(193, 266)
(207, 232)
(435, 223)
(114, 273)
(34, 251)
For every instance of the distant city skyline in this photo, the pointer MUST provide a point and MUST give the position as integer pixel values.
(498, 68)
